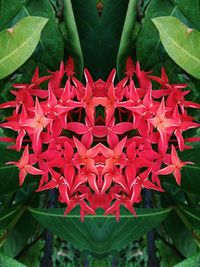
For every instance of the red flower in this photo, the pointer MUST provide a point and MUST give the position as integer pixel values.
(99, 144)
(25, 167)
(175, 166)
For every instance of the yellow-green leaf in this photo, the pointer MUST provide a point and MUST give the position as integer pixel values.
(181, 43)
(18, 43)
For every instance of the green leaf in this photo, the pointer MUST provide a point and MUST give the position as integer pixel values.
(180, 235)
(190, 179)
(149, 47)
(166, 255)
(17, 238)
(73, 42)
(100, 35)
(190, 174)
(50, 50)
(6, 261)
(9, 181)
(100, 234)
(181, 43)
(193, 215)
(8, 11)
(126, 42)
(6, 216)
(191, 10)
(18, 43)
(190, 262)
(32, 257)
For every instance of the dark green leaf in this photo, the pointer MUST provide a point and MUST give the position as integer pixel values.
(180, 235)
(149, 48)
(181, 43)
(8, 11)
(100, 234)
(19, 235)
(193, 215)
(191, 10)
(190, 181)
(18, 43)
(50, 48)
(100, 35)
(9, 181)
(166, 255)
(32, 257)
(6, 216)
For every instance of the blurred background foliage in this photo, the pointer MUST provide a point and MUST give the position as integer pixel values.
(99, 35)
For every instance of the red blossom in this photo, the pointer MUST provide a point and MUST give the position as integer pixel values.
(99, 143)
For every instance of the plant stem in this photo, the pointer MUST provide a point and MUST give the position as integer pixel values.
(48, 236)
(151, 247)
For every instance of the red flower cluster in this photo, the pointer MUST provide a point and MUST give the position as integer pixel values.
(99, 143)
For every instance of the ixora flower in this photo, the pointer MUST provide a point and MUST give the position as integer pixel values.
(99, 143)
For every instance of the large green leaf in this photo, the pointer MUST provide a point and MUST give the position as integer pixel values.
(126, 42)
(180, 235)
(6, 261)
(17, 238)
(100, 35)
(191, 10)
(18, 43)
(21, 225)
(149, 48)
(100, 234)
(181, 43)
(190, 262)
(8, 11)
(50, 49)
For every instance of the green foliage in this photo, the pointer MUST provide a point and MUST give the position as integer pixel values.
(181, 236)
(72, 38)
(149, 48)
(50, 50)
(100, 43)
(6, 261)
(9, 180)
(167, 256)
(181, 43)
(8, 11)
(126, 42)
(18, 237)
(190, 262)
(190, 174)
(99, 234)
(191, 10)
(19, 43)
(100, 35)
(32, 256)
(6, 216)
